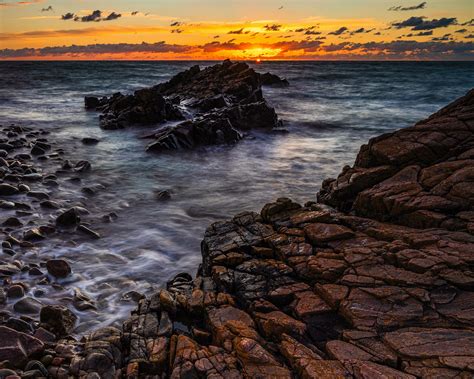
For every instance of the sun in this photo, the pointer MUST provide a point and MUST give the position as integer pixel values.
(258, 60)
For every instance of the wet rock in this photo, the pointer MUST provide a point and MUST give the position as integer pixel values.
(163, 195)
(82, 166)
(33, 235)
(88, 231)
(15, 291)
(68, 218)
(57, 319)
(8, 190)
(27, 305)
(59, 268)
(269, 79)
(90, 141)
(17, 347)
(19, 325)
(12, 222)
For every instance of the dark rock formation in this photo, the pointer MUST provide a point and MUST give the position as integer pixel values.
(230, 94)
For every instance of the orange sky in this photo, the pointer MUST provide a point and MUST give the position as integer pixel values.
(207, 29)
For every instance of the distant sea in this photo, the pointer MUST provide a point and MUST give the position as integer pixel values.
(329, 110)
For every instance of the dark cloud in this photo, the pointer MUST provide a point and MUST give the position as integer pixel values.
(158, 47)
(469, 23)
(218, 36)
(420, 23)
(134, 13)
(178, 31)
(47, 9)
(67, 16)
(175, 23)
(470, 36)
(112, 16)
(95, 16)
(421, 34)
(461, 31)
(339, 31)
(406, 49)
(273, 27)
(238, 31)
(446, 37)
(411, 8)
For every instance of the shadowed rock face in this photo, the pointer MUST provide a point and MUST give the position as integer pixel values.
(228, 97)
(421, 176)
(313, 292)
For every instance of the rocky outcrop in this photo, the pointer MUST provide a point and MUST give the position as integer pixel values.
(420, 176)
(311, 291)
(227, 98)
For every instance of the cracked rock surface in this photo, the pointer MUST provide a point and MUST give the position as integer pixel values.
(380, 286)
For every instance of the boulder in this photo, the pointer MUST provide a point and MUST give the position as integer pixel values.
(17, 347)
(57, 319)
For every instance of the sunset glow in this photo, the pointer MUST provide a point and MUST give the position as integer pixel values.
(323, 29)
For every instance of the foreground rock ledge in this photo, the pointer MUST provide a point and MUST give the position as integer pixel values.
(313, 292)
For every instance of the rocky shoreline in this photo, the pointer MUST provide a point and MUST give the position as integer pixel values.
(375, 280)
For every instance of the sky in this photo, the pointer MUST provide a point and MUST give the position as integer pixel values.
(239, 29)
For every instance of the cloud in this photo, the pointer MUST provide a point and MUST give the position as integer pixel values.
(272, 27)
(339, 31)
(420, 34)
(20, 3)
(95, 16)
(470, 36)
(113, 48)
(178, 31)
(461, 31)
(309, 48)
(238, 31)
(175, 23)
(446, 37)
(113, 16)
(134, 13)
(47, 9)
(469, 23)
(420, 23)
(67, 16)
(411, 8)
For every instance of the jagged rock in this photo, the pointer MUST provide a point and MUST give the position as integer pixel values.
(230, 93)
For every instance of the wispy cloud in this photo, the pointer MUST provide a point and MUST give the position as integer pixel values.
(410, 8)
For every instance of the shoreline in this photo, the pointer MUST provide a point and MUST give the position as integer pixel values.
(268, 298)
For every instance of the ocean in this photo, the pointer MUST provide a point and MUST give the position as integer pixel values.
(329, 110)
